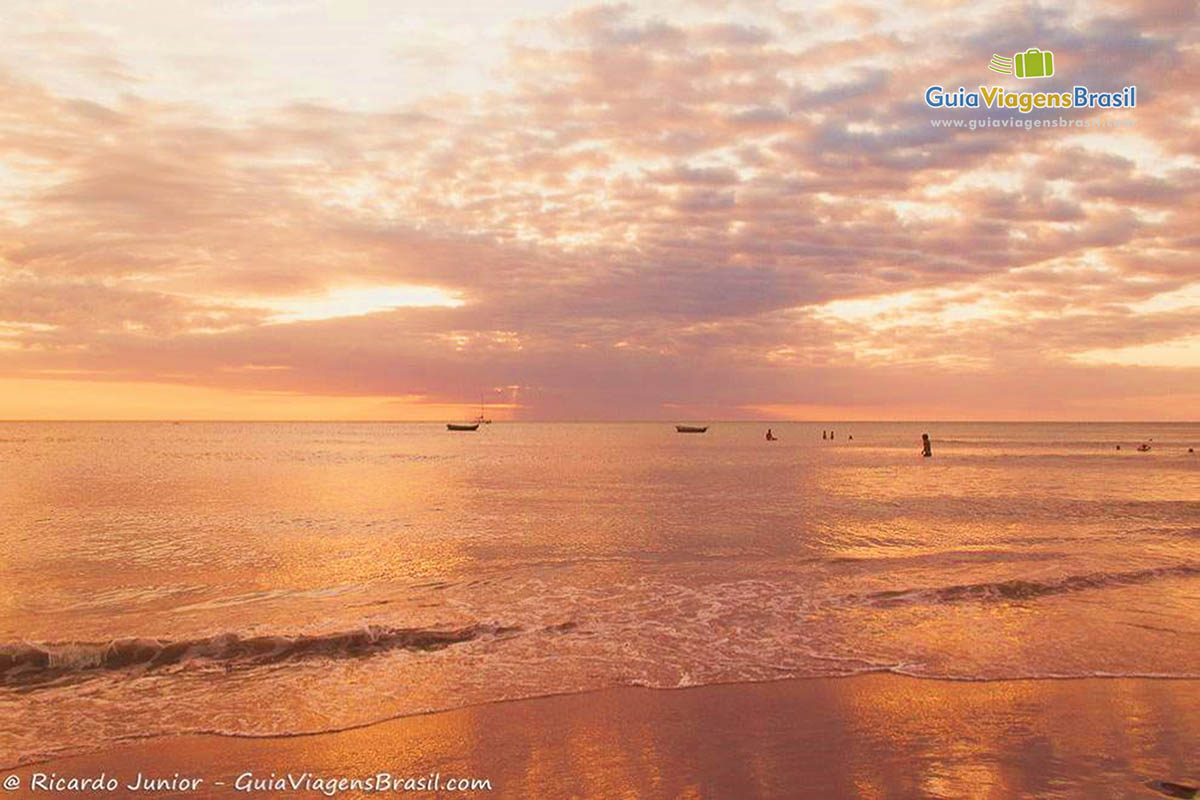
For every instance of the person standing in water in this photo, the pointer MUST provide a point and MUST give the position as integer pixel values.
(926, 449)
(770, 436)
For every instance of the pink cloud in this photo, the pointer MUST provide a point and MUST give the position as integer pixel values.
(644, 212)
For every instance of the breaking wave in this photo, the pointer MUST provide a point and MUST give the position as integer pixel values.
(1000, 591)
(32, 664)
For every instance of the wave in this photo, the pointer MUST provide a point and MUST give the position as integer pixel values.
(1000, 591)
(1190, 532)
(28, 664)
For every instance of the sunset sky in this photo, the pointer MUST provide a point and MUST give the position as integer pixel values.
(677, 210)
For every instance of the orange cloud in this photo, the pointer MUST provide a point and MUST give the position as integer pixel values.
(635, 209)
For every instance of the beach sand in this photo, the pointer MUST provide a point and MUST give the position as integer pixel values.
(871, 736)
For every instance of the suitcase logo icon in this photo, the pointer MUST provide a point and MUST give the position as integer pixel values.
(1033, 63)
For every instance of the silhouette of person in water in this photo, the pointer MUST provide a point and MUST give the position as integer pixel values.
(823, 436)
(770, 436)
(926, 449)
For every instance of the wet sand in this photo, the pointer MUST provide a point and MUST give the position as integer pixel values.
(874, 736)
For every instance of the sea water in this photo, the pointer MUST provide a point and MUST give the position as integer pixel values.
(261, 579)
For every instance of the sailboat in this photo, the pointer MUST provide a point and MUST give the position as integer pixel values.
(474, 424)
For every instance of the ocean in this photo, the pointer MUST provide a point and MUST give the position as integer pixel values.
(271, 579)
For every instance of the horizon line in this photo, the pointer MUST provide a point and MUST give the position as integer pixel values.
(665, 421)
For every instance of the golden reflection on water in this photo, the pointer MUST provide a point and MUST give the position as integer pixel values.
(671, 560)
(876, 736)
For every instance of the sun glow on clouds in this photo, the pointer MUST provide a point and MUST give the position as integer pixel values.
(1180, 353)
(356, 302)
(920, 307)
(55, 398)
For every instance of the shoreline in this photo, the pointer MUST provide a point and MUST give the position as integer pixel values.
(401, 717)
(870, 735)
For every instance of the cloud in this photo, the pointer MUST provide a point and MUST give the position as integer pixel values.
(724, 207)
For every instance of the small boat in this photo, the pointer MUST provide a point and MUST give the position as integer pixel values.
(450, 426)
(690, 429)
(1143, 448)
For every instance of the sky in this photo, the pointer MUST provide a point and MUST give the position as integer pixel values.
(256, 209)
